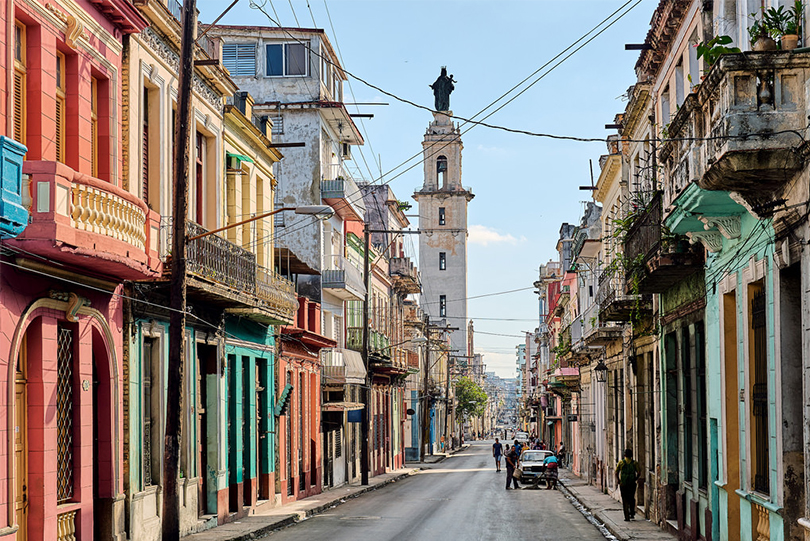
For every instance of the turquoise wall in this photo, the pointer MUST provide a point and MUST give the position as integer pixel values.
(756, 240)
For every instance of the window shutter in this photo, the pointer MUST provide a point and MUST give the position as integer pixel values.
(239, 59)
(59, 139)
(145, 164)
(19, 112)
(246, 59)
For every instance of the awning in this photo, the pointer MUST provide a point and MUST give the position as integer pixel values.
(239, 157)
(355, 369)
(341, 406)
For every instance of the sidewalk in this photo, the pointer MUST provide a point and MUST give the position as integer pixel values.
(608, 512)
(260, 525)
(438, 457)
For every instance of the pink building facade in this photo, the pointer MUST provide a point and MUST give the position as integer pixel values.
(61, 310)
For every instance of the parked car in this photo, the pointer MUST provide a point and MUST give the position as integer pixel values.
(532, 468)
(522, 436)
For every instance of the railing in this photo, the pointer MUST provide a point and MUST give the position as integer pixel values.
(66, 526)
(761, 522)
(644, 237)
(176, 9)
(333, 367)
(277, 291)
(342, 274)
(214, 258)
(99, 211)
(737, 132)
(610, 288)
(377, 341)
(338, 184)
(219, 260)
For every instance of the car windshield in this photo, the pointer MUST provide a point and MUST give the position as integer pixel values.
(534, 456)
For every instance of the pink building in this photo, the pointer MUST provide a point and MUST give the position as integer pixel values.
(61, 314)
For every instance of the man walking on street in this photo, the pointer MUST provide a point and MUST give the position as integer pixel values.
(497, 451)
(627, 474)
(511, 464)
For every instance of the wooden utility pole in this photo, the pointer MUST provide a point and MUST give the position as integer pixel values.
(425, 404)
(177, 319)
(365, 392)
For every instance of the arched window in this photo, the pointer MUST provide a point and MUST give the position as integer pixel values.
(441, 171)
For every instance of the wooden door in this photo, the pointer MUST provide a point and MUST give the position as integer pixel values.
(21, 443)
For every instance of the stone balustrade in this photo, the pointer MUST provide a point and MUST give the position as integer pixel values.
(74, 216)
(105, 213)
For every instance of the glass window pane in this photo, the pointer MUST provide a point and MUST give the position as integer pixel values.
(296, 59)
(274, 60)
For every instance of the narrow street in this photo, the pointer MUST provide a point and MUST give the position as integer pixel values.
(460, 498)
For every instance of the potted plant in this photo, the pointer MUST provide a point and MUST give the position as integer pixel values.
(759, 33)
(793, 27)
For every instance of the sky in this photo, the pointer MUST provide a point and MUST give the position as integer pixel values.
(525, 186)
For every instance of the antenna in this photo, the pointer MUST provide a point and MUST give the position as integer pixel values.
(592, 187)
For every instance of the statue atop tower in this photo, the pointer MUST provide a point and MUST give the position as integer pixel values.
(442, 88)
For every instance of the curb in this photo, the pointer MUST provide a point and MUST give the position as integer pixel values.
(567, 492)
(295, 518)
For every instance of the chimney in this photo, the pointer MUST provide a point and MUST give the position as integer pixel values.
(244, 102)
(265, 125)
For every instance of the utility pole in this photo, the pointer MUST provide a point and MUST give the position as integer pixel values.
(425, 405)
(365, 392)
(177, 319)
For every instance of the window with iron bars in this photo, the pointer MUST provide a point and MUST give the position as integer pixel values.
(759, 387)
(64, 415)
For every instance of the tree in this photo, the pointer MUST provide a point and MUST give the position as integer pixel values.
(471, 398)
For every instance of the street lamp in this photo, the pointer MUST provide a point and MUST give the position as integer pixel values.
(319, 211)
(600, 370)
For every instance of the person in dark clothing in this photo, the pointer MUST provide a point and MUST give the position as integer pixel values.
(511, 463)
(627, 474)
(497, 452)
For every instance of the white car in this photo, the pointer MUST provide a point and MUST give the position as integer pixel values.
(532, 466)
(522, 436)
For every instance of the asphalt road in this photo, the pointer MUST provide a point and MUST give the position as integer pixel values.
(461, 498)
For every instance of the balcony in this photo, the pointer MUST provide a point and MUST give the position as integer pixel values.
(596, 333)
(227, 275)
(614, 304)
(341, 366)
(343, 279)
(404, 274)
(658, 264)
(339, 190)
(87, 223)
(752, 108)
(378, 343)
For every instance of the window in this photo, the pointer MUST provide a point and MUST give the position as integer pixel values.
(758, 342)
(441, 171)
(94, 125)
(286, 59)
(441, 216)
(198, 183)
(59, 114)
(442, 305)
(703, 440)
(19, 84)
(687, 404)
(145, 149)
(239, 59)
(442, 261)
(151, 406)
(64, 415)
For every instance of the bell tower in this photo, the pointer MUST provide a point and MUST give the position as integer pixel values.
(443, 223)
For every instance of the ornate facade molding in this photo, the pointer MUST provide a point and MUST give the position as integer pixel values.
(729, 226)
(712, 240)
(168, 55)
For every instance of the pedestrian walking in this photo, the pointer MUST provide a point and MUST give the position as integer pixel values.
(561, 454)
(511, 464)
(497, 451)
(627, 474)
